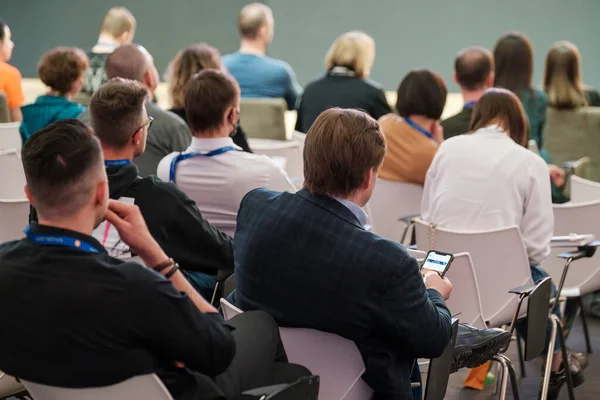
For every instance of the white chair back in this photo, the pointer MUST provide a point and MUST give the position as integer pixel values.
(583, 190)
(335, 359)
(290, 150)
(391, 201)
(12, 183)
(14, 217)
(499, 259)
(147, 387)
(10, 138)
(465, 300)
(584, 274)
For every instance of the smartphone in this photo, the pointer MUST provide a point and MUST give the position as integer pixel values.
(438, 262)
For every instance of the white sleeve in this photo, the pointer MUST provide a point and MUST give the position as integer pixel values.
(430, 182)
(279, 180)
(164, 167)
(538, 217)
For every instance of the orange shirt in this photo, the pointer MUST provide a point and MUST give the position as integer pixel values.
(10, 83)
(409, 152)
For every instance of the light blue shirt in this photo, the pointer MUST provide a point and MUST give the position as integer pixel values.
(360, 214)
(262, 76)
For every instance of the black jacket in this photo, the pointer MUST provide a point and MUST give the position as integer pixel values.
(174, 221)
(340, 91)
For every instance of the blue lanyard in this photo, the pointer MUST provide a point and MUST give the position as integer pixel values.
(470, 104)
(116, 163)
(57, 240)
(419, 128)
(185, 156)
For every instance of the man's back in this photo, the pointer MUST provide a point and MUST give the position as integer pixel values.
(458, 123)
(307, 261)
(262, 76)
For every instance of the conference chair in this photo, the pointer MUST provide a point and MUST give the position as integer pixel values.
(4, 110)
(224, 282)
(583, 190)
(10, 386)
(584, 277)
(390, 204)
(10, 138)
(263, 118)
(14, 217)
(13, 181)
(147, 387)
(290, 150)
(572, 134)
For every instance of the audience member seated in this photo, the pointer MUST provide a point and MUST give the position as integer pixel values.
(487, 180)
(414, 136)
(474, 73)
(513, 58)
(10, 77)
(117, 109)
(80, 318)
(259, 75)
(307, 260)
(61, 69)
(345, 84)
(562, 79)
(213, 171)
(117, 29)
(186, 63)
(170, 133)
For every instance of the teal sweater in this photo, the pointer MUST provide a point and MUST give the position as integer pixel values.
(45, 111)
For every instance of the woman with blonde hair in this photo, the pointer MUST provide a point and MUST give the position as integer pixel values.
(346, 84)
(186, 64)
(562, 79)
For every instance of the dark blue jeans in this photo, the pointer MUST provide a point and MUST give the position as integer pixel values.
(203, 283)
(537, 274)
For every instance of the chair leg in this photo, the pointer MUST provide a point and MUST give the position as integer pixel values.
(521, 358)
(214, 296)
(563, 347)
(513, 379)
(548, 368)
(504, 367)
(585, 326)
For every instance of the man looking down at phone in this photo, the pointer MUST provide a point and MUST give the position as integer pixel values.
(307, 260)
(80, 318)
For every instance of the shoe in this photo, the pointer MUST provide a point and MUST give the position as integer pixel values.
(475, 346)
(580, 357)
(576, 369)
(557, 380)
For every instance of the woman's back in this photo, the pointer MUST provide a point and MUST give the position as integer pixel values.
(535, 102)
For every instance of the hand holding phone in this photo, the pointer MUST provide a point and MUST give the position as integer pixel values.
(438, 262)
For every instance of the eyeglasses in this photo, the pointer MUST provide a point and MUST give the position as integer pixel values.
(147, 124)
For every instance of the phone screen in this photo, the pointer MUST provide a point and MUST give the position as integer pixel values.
(437, 262)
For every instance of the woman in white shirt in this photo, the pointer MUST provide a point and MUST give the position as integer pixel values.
(488, 179)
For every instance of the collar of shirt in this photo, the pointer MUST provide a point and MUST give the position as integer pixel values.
(209, 144)
(39, 229)
(341, 71)
(492, 129)
(360, 214)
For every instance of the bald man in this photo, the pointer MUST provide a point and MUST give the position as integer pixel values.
(169, 133)
(117, 28)
(257, 74)
(474, 73)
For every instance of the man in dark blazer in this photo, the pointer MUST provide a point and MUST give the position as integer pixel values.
(307, 259)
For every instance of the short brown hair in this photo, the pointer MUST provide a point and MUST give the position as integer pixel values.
(341, 146)
(128, 61)
(60, 68)
(117, 21)
(208, 94)
(513, 56)
(116, 111)
(252, 18)
(421, 92)
(186, 63)
(473, 67)
(501, 107)
(60, 162)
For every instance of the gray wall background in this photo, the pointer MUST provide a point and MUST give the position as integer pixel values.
(408, 33)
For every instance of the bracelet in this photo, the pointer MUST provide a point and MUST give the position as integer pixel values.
(164, 265)
(172, 271)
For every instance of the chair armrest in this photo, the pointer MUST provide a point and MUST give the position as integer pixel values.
(409, 218)
(585, 251)
(223, 274)
(525, 289)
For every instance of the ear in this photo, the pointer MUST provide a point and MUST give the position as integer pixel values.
(369, 178)
(102, 193)
(149, 78)
(491, 79)
(28, 194)
(455, 77)
(124, 38)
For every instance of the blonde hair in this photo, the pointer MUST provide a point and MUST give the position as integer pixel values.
(117, 21)
(252, 18)
(186, 63)
(562, 77)
(354, 50)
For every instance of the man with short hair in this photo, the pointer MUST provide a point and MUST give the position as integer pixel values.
(80, 318)
(474, 73)
(120, 120)
(307, 260)
(213, 171)
(169, 132)
(257, 74)
(117, 28)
